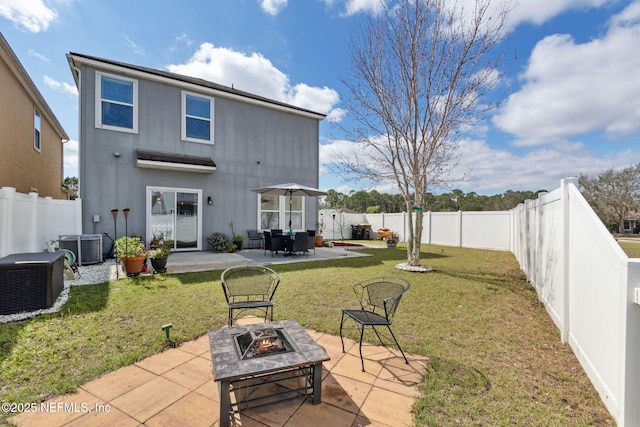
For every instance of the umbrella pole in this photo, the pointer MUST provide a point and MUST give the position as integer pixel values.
(290, 204)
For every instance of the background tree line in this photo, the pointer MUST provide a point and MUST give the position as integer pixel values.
(614, 195)
(375, 202)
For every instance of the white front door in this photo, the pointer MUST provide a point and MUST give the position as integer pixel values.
(175, 215)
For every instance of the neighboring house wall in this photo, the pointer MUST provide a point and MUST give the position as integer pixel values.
(256, 142)
(22, 165)
(632, 224)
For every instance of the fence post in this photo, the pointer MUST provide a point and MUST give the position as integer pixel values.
(77, 217)
(428, 226)
(566, 223)
(7, 194)
(459, 229)
(45, 224)
(629, 409)
(33, 229)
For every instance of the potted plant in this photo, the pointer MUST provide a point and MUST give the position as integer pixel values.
(159, 253)
(237, 238)
(392, 239)
(218, 242)
(132, 254)
(319, 239)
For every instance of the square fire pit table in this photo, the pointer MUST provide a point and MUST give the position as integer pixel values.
(245, 357)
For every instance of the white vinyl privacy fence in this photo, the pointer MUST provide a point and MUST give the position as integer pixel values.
(483, 230)
(28, 221)
(588, 285)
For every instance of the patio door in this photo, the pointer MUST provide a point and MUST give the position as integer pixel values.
(174, 214)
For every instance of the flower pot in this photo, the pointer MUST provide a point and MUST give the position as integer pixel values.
(159, 264)
(391, 244)
(319, 241)
(133, 265)
(238, 243)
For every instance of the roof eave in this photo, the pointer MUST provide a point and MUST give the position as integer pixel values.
(76, 60)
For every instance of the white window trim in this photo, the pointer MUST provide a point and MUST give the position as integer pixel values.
(184, 118)
(151, 189)
(98, 103)
(38, 147)
(283, 213)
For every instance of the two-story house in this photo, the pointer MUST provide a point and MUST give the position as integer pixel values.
(183, 154)
(31, 138)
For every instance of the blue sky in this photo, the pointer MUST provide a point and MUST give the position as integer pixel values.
(572, 75)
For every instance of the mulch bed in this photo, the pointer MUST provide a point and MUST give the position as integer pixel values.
(347, 244)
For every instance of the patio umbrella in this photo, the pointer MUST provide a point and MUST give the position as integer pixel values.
(290, 189)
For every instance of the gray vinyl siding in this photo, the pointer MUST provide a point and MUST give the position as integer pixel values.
(285, 144)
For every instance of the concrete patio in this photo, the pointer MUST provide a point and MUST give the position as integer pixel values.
(183, 262)
(176, 388)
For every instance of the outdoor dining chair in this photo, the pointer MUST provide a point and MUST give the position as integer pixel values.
(379, 298)
(300, 243)
(249, 287)
(273, 243)
(255, 238)
(311, 241)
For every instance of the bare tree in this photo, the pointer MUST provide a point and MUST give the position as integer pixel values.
(613, 195)
(418, 80)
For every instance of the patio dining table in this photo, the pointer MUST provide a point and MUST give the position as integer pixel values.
(288, 243)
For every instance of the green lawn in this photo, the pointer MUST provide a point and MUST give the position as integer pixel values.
(496, 357)
(632, 249)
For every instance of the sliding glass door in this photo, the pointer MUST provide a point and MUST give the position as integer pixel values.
(174, 214)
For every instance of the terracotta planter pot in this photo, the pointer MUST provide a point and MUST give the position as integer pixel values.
(133, 265)
(319, 241)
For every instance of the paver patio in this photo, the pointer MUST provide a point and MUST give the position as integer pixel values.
(176, 388)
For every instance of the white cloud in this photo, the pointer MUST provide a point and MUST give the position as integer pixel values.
(63, 87)
(492, 171)
(38, 55)
(255, 74)
(184, 38)
(336, 115)
(364, 6)
(571, 89)
(133, 46)
(532, 11)
(31, 15)
(273, 7)
(317, 99)
(71, 158)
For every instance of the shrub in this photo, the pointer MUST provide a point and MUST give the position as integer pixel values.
(218, 242)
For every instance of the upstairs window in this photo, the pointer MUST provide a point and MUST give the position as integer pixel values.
(116, 103)
(197, 118)
(36, 130)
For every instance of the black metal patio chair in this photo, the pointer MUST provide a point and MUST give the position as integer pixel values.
(249, 287)
(379, 298)
(255, 239)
